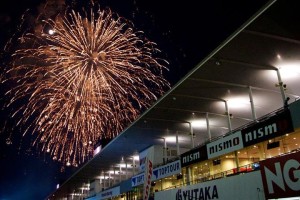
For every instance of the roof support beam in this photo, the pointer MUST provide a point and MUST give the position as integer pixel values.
(272, 36)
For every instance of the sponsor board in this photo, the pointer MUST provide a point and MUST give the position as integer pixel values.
(275, 126)
(148, 175)
(143, 157)
(281, 176)
(207, 192)
(137, 180)
(158, 173)
(193, 156)
(225, 145)
(110, 193)
(227, 188)
(167, 170)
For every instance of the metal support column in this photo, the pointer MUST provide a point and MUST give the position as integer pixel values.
(177, 144)
(252, 104)
(133, 166)
(109, 178)
(120, 174)
(192, 134)
(126, 172)
(230, 132)
(165, 151)
(228, 116)
(104, 184)
(208, 127)
(281, 87)
(101, 184)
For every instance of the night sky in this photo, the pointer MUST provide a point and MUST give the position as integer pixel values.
(184, 31)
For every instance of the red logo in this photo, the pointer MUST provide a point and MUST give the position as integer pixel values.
(281, 176)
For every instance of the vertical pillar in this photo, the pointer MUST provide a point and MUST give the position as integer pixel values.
(252, 104)
(177, 144)
(114, 177)
(109, 181)
(104, 184)
(165, 151)
(126, 173)
(133, 166)
(120, 176)
(261, 151)
(237, 163)
(101, 185)
(208, 127)
(280, 84)
(228, 117)
(192, 134)
(189, 175)
(230, 131)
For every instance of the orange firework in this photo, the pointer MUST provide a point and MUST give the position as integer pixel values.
(83, 78)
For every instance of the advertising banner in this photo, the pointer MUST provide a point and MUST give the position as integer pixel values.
(160, 172)
(110, 193)
(281, 176)
(137, 180)
(244, 186)
(148, 174)
(225, 145)
(143, 157)
(275, 126)
(193, 156)
(167, 170)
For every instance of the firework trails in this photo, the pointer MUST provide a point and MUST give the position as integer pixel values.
(83, 78)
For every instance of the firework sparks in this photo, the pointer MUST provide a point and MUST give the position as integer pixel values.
(83, 78)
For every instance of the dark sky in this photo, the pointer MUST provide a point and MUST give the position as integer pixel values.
(185, 31)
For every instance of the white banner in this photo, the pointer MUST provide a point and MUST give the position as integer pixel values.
(167, 170)
(148, 174)
(158, 173)
(143, 156)
(225, 145)
(110, 193)
(137, 180)
(244, 186)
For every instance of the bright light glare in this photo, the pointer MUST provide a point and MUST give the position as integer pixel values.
(112, 172)
(136, 157)
(238, 102)
(97, 150)
(289, 70)
(278, 56)
(170, 139)
(76, 194)
(124, 165)
(198, 123)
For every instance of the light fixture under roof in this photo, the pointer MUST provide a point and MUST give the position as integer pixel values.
(136, 157)
(289, 69)
(278, 56)
(198, 123)
(238, 102)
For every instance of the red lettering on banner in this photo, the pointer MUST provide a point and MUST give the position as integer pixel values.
(281, 176)
(148, 180)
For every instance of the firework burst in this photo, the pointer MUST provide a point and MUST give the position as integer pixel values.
(83, 78)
